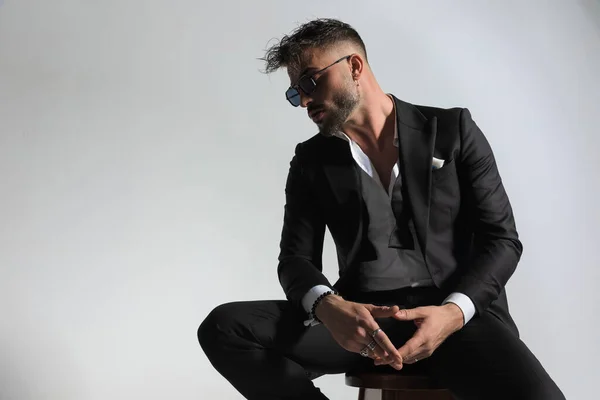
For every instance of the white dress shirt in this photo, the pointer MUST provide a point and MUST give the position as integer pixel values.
(461, 300)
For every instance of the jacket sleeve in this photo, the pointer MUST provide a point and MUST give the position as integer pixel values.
(301, 246)
(496, 248)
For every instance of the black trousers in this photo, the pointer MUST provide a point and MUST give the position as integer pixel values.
(263, 349)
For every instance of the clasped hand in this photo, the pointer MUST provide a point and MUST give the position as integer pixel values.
(352, 325)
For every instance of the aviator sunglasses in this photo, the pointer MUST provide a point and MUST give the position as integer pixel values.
(306, 83)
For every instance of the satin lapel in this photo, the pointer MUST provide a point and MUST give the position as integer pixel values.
(416, 136)
(341, 171)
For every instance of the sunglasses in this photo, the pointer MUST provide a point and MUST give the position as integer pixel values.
(306, 83)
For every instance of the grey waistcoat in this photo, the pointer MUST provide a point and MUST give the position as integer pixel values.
(386, 267)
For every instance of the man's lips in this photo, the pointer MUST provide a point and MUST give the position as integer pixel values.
(316, 113)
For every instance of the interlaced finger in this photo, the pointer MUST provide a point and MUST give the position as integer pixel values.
(385, 349)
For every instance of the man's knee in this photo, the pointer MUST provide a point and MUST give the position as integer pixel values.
(543, 390)
(219, 321)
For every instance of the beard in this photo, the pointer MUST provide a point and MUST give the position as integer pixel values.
(344, 102)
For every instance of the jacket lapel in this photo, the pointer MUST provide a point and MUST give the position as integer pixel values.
(416, 138)
(342, 174)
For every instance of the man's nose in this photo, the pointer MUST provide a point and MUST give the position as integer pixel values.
(305, 99)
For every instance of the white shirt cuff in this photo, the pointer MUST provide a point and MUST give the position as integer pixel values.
(309, 299)
(464, 303)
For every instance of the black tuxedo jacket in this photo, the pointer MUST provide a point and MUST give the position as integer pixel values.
(462, 216)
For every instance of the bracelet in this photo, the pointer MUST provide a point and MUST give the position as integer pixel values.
(317, 301)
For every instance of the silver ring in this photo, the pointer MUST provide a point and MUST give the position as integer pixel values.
(372, 345)
(375, 332)
(416, 359)
(364, 352)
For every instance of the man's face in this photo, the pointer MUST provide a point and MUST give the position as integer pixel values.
(335, 96)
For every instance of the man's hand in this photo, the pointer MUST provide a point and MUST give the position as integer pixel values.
(435, 324)
(352, 325)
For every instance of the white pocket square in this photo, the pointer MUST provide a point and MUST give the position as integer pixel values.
(437, 163)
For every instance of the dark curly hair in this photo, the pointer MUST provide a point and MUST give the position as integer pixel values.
(318, 33)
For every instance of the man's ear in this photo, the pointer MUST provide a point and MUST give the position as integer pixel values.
(357, 65)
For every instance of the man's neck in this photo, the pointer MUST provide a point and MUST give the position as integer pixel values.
(373, 122)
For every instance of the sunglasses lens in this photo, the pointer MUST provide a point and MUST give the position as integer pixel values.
(307, 84)
(293, 96)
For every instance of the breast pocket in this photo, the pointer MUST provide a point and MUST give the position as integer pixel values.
(440, 173)
(445, 196)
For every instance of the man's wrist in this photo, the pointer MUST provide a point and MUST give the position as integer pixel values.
(458, 317)
(465, 304)
(324, 304)
(312, 295)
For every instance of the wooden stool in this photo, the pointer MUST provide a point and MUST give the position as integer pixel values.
(397, 386)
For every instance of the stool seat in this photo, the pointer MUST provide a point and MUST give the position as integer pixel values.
(397, 386)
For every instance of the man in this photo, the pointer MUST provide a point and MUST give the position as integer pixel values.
(425, 239)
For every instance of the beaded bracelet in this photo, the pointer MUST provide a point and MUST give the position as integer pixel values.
(317, 301)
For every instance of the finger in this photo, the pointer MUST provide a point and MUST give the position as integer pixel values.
(382, 311)
(394, 364)
(412, 347)
(410, 314)
(375, 350)
(365, 345)
(375, 354)
(385, 361)
(364, 351)
(416, 358)
(389, 352)
(368, 323)
(368, 346)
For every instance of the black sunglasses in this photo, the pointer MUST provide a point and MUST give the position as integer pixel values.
(306, 83)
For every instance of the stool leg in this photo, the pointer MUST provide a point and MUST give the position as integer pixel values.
(389, 395)
(361, 394)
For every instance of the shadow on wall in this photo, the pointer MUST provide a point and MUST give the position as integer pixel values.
(591, 9)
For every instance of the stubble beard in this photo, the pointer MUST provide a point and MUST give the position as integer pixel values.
(344, 103)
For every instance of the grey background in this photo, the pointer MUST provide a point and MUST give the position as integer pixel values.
(143, 158)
